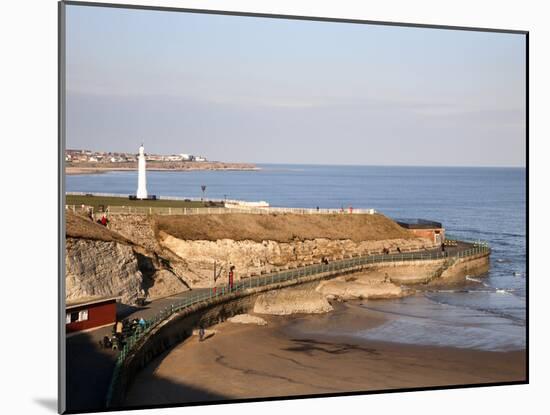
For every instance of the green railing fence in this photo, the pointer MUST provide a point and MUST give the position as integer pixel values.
(214, 293)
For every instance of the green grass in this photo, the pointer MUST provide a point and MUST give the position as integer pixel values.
(97, 201)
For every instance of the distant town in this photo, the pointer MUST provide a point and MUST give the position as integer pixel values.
(92, 162)
(88, 156)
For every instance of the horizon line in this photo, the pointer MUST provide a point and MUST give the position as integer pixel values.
(384, 165)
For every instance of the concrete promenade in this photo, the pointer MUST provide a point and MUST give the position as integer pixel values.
(89, 367)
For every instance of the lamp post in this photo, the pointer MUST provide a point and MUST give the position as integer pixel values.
(231, 277)
(203, 188)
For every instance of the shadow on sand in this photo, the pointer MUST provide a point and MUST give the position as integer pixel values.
(165, 393)
(89, 370)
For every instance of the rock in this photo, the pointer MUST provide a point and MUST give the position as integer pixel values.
(164, 283)
(137, 228)
(346, 288)
(247, 319)
(99, 268)
(251, 257)
(111, 268)
(291, 301)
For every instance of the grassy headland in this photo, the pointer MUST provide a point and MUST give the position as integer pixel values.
(281, 227)
(79, 226)
(97, 201)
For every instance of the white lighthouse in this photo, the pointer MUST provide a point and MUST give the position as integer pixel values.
(142, 179)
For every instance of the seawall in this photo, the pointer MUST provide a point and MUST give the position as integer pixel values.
(180, 325)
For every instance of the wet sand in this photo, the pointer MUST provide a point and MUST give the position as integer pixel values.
(249, 361)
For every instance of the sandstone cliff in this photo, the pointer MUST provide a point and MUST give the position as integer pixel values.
(101, 262)
(157, 256)
(100, 268)
(253, 258)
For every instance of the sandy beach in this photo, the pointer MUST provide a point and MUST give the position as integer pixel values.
(289, 357)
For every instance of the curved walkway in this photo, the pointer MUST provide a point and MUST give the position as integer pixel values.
(85, 362)
(214, 295)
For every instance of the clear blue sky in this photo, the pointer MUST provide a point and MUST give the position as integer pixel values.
(287, 91)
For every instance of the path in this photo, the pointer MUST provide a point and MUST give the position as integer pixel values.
(89, 367)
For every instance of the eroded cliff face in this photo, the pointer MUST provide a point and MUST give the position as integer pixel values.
(200, 257)
(100, 268)
(110, 268)
(132, 257)
(140, 229)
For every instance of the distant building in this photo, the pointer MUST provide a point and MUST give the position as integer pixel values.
(173, 158)
(90, 313)
(153, 157)
(75, 156)
(424, 228)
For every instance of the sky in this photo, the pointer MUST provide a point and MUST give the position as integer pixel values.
(249, 89)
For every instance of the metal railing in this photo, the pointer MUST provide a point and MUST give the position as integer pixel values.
(150, 210)
(125, 196)
(215, 293)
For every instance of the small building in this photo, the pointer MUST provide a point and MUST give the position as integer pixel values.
(424, 228)
(90, 313)
(173, 157)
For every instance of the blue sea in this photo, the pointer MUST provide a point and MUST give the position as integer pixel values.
(488, 204)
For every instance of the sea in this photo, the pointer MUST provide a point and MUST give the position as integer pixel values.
(474, 203)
